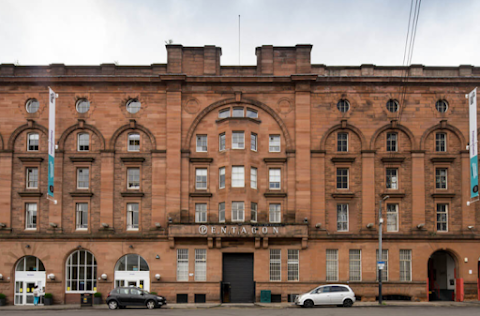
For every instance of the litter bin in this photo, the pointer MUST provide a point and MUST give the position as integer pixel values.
(86, 299)
(265, 296)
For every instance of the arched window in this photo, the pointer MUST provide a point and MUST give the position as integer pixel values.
(131, 262)
(30, 263)
(81, 272)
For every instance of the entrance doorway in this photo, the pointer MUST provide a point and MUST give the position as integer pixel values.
(132, 270)
(29, 272)
(441, 276)
(238, 285)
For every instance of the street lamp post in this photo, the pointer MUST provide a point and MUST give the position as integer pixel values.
(380, 256)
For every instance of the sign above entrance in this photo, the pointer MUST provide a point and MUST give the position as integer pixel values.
(239, 230)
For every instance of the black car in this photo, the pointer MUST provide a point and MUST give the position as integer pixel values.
(122, 297)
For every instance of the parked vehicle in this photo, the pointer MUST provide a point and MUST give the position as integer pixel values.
(332, 294)
(122, 297)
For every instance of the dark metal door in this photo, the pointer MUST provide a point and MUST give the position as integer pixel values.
(238, 271)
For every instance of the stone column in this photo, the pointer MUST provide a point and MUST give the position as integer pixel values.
(418, 188)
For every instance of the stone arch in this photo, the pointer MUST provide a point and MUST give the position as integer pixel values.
(31, 125)
(394, 125)
(456, 258)
(349, 127)
(81, 126)
(213, 106)
(443, 125)
(132, 126)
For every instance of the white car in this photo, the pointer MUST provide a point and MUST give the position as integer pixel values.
(332, 294)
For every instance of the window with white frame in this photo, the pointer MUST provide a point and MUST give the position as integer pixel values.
(253, 142)
(133, 176)
(238, 177)
(200, 264)
(405, 265)
(31, 215)
(200, 213)
(252, 113)
(355, 265)
(342, 217)
(442, 217)
(392, 178)
(332, 265)
(292, 265)
(238, 112)
(253, 212)
(342, 178)
(238, 211)
(201, 179)
(441, 142)
(342, 142)
(253, 178)
(221, 212)
(275, 213)
(221, 178)
(392, 143)
(32, 142)
(221, 142)
(81, 272)
(32, 178)
(441, 178)
(83, 178)
(274, 143)
(182, 264)
(274, 179)
(132, 216)
(134, 142)
(392, 217)
(202, 143)
(224, 113)
(82, 215)
(83, 142)
(238, 140)
(385, 268)
(275, 265)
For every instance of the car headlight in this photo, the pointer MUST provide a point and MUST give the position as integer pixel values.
(160, 297)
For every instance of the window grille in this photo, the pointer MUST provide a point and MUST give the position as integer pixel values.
(275, 265)
(355, 265)
(332, 265)
(405, 265)
(293, 265)
(200, 265)
(182, 264)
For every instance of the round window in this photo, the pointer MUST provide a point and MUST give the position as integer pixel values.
(343, 106)
(392, 105)
(133, 106)
(83, 105)
(441, 106)
(32, 106)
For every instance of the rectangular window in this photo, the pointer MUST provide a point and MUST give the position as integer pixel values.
(253, 212)
(405, 265)
(342, 142)
(275, 265)
(274, 143)
(224, 113)
(392, 217)
(442, 217)
(31, 215)
(332, 265)
(221, 178)
(200, 213)
(342, 178)
(83, 142)
(275, 213)
(342, 217)
(253, 178)
(200, 264)
(32, 142)
(238, 140)
(252, 113)
(82, 215)
(83, 178)
(238, 211)
(221, 212)
(385, 269)
(133, 175)
(441, 178)
(201, 179)
(134, 142)
(202, 143)
(274, 179)
(238, 112)
(253, 142)
(32, 178)
(132, 216)
(182, 264)
(238, 177)
(292, 265)
(392, 178)
(221, 142)
(355, 265)
(441, 142)
(392, 141)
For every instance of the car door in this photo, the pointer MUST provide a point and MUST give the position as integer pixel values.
(337, 294)
(322, 295)
(136, 296)
(123, 296)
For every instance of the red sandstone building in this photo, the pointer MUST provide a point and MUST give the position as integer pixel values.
(211, 183)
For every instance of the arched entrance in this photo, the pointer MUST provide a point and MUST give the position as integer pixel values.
(29, 272)
(442, 274)
(132, 270)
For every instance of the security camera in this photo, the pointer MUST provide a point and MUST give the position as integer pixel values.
(305, 220)
(3, 225)
(420, 226)
(318, 225)
(158, 225)
(53, 225)
(105, 225)
(470, 227)
(369, 225)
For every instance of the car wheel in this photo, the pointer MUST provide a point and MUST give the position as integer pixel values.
(151, 304)
(347, 303)
(308, 304)
(112, 304)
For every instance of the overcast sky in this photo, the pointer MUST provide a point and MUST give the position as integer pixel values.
(133, 32)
